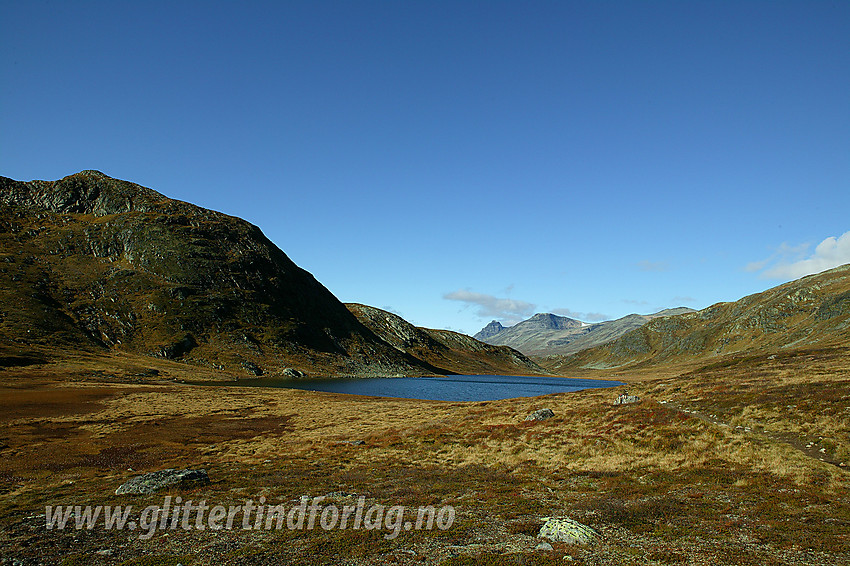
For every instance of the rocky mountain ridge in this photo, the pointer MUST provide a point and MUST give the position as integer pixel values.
(444, 348)
(546, 334)
(492, 328)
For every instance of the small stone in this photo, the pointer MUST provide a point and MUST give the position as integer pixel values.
(105, 552)
(543, 546)
(540, 415)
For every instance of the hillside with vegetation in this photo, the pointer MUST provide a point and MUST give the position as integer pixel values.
(812, 312)
(454, 351)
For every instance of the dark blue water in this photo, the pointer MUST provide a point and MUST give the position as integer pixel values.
(450, 388)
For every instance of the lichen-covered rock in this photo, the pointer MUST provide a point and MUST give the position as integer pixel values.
(154, 481)
(540, 415)
(562, 529)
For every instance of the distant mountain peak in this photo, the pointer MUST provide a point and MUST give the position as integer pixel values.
(547, 334)
(493, 328)
(552, 321)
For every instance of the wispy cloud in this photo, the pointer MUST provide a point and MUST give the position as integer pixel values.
(684, 300)
(635, 302)
(488, 306)
(646, 265)
(585, 316)
(784, 254)
(792, 262)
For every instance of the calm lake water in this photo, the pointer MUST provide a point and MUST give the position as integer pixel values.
(449, 388)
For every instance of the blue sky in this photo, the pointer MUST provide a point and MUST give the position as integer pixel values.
(461, 161)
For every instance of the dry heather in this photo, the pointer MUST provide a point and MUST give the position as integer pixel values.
(741, 462)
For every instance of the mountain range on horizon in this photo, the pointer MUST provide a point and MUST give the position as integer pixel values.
(807, 314)
(91, 265)
(547, 334)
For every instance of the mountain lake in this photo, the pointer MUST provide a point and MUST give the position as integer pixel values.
(447, 388)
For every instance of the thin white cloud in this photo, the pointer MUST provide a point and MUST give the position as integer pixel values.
(646, 265)
(488, 306)
(789, 262)
(784, 254)
(684, 300)
(635, 302)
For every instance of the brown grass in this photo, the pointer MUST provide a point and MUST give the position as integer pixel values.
(662, 485)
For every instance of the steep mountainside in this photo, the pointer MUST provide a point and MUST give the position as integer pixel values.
(810, 312)
(451, 351)
(97, 264)
(549, 334)
(489, 331)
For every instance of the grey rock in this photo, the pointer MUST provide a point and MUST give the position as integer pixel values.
(540, 415)
(562, 529)
(544, 546)
(154, 481)
(293, 373)
(625, 399)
